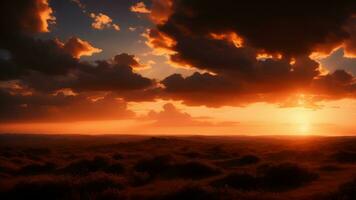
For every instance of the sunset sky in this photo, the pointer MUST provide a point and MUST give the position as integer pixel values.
(178, 67)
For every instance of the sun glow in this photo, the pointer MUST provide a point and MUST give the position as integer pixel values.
(302, 121)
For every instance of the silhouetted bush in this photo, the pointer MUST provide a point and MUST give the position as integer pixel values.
(37, 151)
(237, 181)
(243, 161)
(346, 191)
(285, 176)
(345, 157)
(139, 178)
(165, 167)
(218, 152)
(37, 168)
(190, 192)
(330, 168)
(110, 194)
(41, 188)
(154, 165)
(118, 156)
(92, 186)
(98, 182)
(7, 167)
(115, 168)
(99, 163)
(193, 154)
(187, 170)
(193, 170)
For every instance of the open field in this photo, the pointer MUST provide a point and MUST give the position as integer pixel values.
(195, 167)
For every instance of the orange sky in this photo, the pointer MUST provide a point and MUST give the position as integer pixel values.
(334, 118)
(173, 70)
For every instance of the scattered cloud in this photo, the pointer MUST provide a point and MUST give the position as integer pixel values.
(132, 29)
(172, 117)
(78, 48)
(102, 21)
(140, 7)
(79, 4)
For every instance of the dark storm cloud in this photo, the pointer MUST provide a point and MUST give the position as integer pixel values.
(228, 44)
(44, 56)
(335, 85)
(26, 16)
(126, 59)
(44, 80)
(40, 107)
(290, 27)
(51, 64)
(20, 20)
(106, 76)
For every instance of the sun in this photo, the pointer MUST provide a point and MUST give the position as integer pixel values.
(302, 121)
(304, 128)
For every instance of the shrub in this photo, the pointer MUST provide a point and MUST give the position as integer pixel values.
(285, 176)
(237, 181)
(344, 157)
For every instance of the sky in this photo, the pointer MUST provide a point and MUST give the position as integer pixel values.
(178, 67)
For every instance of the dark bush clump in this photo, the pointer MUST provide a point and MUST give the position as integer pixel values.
(243, 161)
(193, 170)
(165, 167)
(330, 168)
(189, 192)
(345, 157)
(117, 156)
(139, 178)
(154, 165)
(38, 151)
(99, 163)
(285, 176)
(346, 191)
(41, 188)
(110, 194)
(35, 169)
(237, 181)
(98, 182)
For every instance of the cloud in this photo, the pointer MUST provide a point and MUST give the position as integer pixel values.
(338, 84)
(350, 44)
(79, 4)
(44, 80)
(132, 29)
(46, 56)
(171, 116)
(102, 21)
(114, 76)
(140, 7)
(316, 26)
(338, 60)
(40, 107)
(126, 59)
(230, 48)
(26, 16)
(78, 48)
(161, 10)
